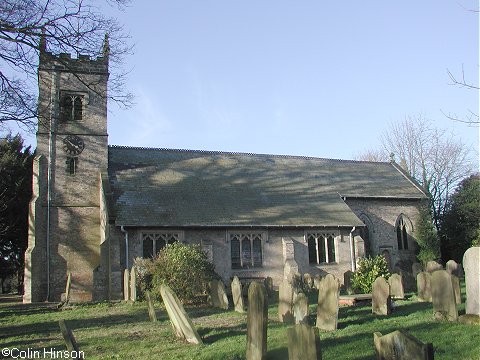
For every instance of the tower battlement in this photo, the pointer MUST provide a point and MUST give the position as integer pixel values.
(80, 64)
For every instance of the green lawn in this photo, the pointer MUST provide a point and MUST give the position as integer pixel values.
(122, 331)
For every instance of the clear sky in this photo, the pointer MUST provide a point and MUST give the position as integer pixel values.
(316, 78)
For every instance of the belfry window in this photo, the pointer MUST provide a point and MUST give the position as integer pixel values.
(153, 242)
(246, 250)
(402, 235)
(321, 248)
(71, 107)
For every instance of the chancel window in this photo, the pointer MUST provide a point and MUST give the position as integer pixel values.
(71, 107)
(153, 242)
(402, 235)
(321, 248)
(246, 250)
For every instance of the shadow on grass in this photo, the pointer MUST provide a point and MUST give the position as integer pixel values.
(212, 335)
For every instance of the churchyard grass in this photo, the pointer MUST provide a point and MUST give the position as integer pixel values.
(123, 331)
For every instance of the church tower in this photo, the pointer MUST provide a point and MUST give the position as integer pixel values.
(72, 152)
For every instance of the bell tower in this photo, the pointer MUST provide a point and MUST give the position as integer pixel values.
(72, 151)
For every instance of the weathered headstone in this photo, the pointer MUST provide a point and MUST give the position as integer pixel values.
(151, 309)
(327, 309)
(285, 302)
(257, 322)
(471, 267)
(237, 295)
(307, 282)
(67, 334)
(433, 266)
(443, 296)
(453, 268)
(133, 284)
(381, 302)
(290, 269)
(316, 280)
(218, 295)
(399, 345)
(347, 281)
(304, 343)
(126, 284)
(396, 286)
(300, 308)
(67, 288)
(456, 289)
(268, 283)
(424, 286)
(416, 268)
(181, 322)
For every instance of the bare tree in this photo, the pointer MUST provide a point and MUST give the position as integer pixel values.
(433, 157)
(28, 27)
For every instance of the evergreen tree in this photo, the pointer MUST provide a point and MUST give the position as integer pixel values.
(426, 236)
(460, 226)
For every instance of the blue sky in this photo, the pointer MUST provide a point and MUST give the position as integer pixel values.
(316, 78)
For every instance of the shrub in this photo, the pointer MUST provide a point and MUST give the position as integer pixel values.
(144, 271)
(368, 270)
(184, 268)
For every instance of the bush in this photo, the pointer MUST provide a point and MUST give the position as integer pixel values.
(144, 270)
(184, 268)
(368, 270)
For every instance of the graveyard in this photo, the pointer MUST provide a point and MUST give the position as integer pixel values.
(123, 330)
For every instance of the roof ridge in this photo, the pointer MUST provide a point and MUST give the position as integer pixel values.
(219, 152)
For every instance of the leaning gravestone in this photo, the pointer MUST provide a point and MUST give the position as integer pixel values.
(151, 309)
(396, 286)
(304, 343)
(453, 268)
(399, 345)
(424, 286)
(443, 296)
(126, 282)
(300, 308)
(218, 295)
(327, 309)
(68, 287)
(237, 295)
(381, 302)
(285, 302)
(471, 267)
(347, 281)
(257, 322)
(133, 284)
(181, 322)
(456, 289)
(67, 334)
(433, 266)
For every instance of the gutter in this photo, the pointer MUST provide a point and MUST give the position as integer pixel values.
(352, 253)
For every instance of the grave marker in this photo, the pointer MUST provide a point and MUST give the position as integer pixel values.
(443, 296)
(471, 267)
(347, 281)
(424, 286)
(399, 345)
(257, 322)
(396, 286)
(133, 284)
(456, 289)
(285, 302)
(300, 308)
(126, 283)
(453, 268)
(151, 309)
(327, 309)
(237, 295)
(381, 302)
(218, 295)
(433, 266)
(67, 334)
(304, 343)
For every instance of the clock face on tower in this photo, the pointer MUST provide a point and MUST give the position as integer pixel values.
(73, 145)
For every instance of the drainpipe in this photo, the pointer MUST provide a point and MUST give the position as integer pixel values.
(122, 229)
(352, 253)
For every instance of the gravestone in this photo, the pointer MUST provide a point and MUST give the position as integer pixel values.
(290, 270)
(179, 319)
(133, 284)
(453, 268)
(237, 295)
(67, 288)
(285, 302)
(433, 266)
(316, 280)
(399, 345)
(303, 343)
(381, 302)
(218, 296)
(68, 337)
(424, 286)
(300, 308)
(456, 289)
(443, 296)
(327, 309)
(307, 282)
(416, 268)
(347, 281)
(151, 309)
(257, 322)
(471, 267)
(268, 283)
(126, 284)
(396, 286)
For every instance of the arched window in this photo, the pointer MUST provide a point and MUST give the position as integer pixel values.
(402, 234)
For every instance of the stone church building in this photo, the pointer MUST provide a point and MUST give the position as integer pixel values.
(96, 207)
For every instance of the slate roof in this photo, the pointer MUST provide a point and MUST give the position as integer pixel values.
(179, 188)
